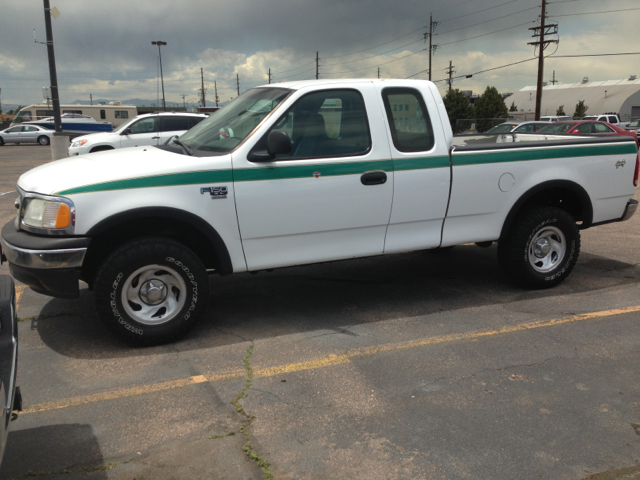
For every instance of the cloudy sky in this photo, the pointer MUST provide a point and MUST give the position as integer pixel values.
(104, 47)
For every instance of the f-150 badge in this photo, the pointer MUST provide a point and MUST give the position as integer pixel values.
(216, 192)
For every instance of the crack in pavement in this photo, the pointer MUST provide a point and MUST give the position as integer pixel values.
(247, 447)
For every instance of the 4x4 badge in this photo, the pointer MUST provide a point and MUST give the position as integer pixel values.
(216, 192)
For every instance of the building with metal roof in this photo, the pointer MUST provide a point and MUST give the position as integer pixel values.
(609, 96)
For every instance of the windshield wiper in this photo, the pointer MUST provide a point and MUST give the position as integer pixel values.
(184, 146)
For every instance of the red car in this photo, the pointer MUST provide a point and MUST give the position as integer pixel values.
(587, 127)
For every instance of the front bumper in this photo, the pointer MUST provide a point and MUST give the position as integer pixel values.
(49, 265)
(73, 151)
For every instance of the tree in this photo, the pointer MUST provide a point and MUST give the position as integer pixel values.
(489, 106)
(513, 107)
(458, 108)
(581, 109)
(560, 111)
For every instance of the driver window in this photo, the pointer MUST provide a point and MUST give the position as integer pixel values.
(330, 123)
(146, 125)
(585, 128)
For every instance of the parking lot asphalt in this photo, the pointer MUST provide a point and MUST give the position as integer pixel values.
(421, 365)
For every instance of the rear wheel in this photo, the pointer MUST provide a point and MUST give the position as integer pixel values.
(43, 140)
(1, 141)
(541, 248)
(151, 291)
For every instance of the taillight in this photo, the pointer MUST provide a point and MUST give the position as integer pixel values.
(635, 174)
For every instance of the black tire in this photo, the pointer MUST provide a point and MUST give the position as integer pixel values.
(143, 266)
(44, 140)
(541, 248)
(1, 141)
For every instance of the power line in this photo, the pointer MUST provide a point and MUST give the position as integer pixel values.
(488, 21)
(594, 55)
(479, 72)
(379, 65)
(297, 68)
(594, 13)
(372, 56)
(479, 11)
(375, 46)
(485, 34)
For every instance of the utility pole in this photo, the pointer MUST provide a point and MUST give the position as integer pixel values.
(91, 98)
(432, 48)
(159, 43)
(317, 65)
(450, 71)
(378, 72)
(554, 81)
(269, 75)
(215, 86)
(238, 83)
(55, 97)
(541, 31)
(204, 101)
(184, 104)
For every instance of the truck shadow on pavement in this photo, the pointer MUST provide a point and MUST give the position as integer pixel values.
(39, 452)
(334, 296)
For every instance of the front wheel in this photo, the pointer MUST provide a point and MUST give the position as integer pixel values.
(1, 141)
(151, 291)
(43, 140)
(541, 248)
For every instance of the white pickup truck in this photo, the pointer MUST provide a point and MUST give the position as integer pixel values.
(299, 173)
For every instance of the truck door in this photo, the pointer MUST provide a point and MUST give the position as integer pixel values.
(421, 169)
(330, 198)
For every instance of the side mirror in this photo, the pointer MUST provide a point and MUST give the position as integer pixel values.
(278, 143)
(127, 131)
(576, 131)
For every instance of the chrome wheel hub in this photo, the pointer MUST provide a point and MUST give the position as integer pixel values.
(547, 249)
(154, 294)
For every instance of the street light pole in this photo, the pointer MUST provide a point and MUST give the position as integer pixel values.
(159, 43)
(55, 96)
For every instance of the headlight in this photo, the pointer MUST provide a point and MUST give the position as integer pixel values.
(47, 214)
(79, 143)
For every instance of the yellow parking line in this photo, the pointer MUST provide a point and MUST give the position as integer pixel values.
(322, 362)
(19, 290)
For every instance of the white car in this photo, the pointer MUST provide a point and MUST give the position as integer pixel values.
(26, 134)
(148, 129)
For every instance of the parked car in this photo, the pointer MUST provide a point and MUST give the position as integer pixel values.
(611, 118)
(147, 129)
(505, 127)
(527, 127)
(633, 125)
(26, 134)
(10, 398)
(556, 118)
(587, 127)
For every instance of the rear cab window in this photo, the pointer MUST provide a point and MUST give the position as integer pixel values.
(411, 128)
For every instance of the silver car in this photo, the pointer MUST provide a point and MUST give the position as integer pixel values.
(26, 134)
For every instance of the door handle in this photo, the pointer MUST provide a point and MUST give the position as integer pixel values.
(374, 178)
(154, 138)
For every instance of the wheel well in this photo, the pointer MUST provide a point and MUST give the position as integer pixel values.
(107, 240)
(101, 148)
(568, 196)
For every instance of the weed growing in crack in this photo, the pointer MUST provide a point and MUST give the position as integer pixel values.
(247, 447)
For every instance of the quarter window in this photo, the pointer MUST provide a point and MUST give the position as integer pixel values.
(411, 132)
(601, 128)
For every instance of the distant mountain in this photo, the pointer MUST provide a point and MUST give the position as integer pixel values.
(138, 102)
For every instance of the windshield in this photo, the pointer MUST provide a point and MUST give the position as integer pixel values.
(589, 118)
(634, 123)
(124, 125)
(556, 128)
(225, 129)
(22, 116)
